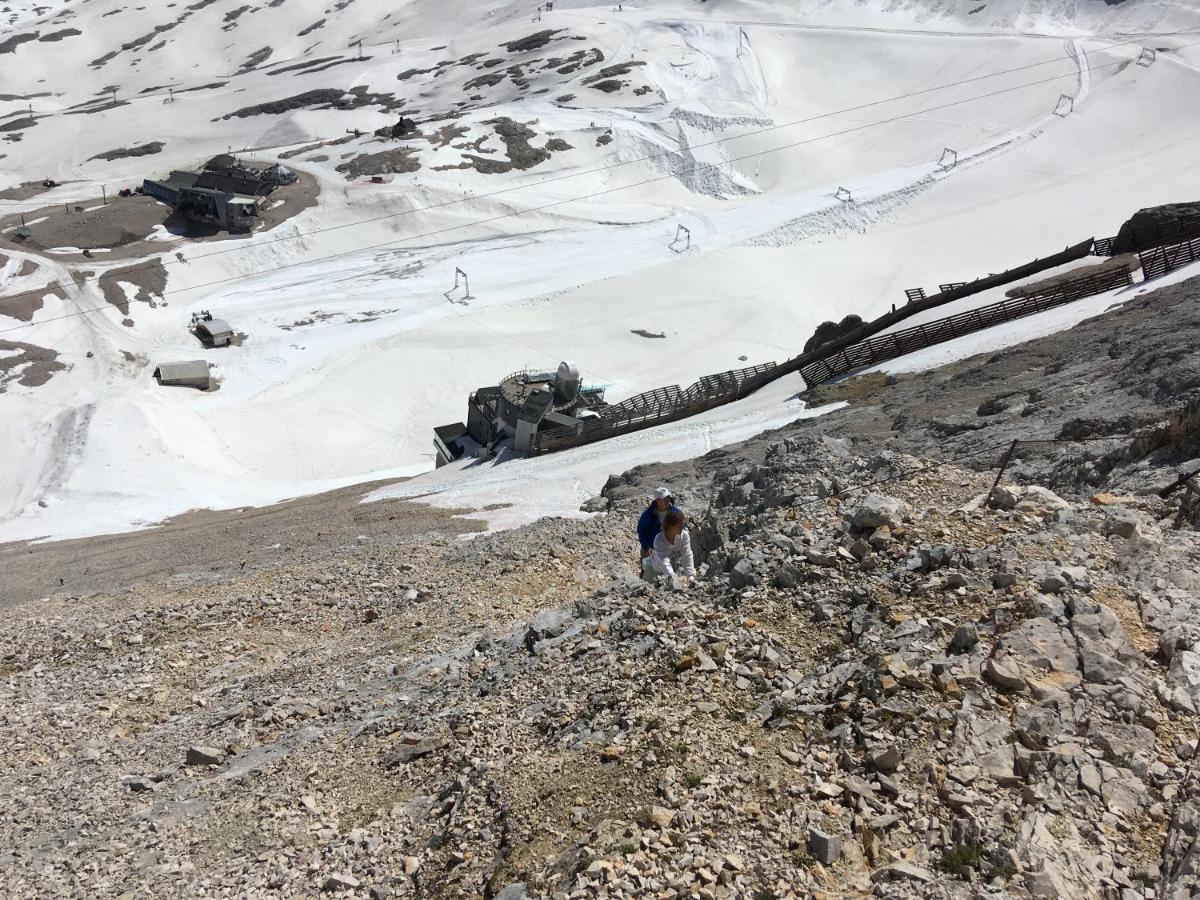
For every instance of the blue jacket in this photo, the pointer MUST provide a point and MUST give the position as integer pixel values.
(649, 525)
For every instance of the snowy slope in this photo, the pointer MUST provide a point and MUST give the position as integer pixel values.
(738, 120)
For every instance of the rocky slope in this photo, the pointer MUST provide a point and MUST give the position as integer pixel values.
(881, 683)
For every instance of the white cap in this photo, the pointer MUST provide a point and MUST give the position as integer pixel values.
(662, 492)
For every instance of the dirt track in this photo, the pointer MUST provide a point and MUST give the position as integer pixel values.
(209, 546)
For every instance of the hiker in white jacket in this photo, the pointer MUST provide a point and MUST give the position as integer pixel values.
(672, 557)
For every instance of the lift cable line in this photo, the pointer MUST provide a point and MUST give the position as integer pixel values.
(394, 43)
(31, 205)
(521, 212)
(38, 292)
(595, 170)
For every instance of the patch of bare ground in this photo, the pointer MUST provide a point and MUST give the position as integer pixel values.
(23, 191)
(122, 221)
(26, 302)
(217, 545)
(150, 279)
(123, 225)
(384, 162)
(129, 152)
(27, 364)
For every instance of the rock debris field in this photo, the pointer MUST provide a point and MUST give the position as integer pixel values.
(903, 694)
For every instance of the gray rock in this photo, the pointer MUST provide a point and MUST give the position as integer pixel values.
(204, 756)
(826, 848)
(340, 881)
(788, 576)
(594, 505)
(409, 752)
(742, 575)
(876, 511)
(515, 891)
(1004, 675)
(886, 759)
(901, 870)
(965, 637)
(1052, 584)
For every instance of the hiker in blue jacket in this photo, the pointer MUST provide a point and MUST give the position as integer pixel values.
(650, 523)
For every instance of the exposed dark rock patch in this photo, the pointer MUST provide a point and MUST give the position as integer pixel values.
(521, 154)
(385, 162)
(488, 79)
(256, 59)
(409, 73)
(1171, 223)
(565, 98)
(358, 97)
(211, 86)
(447, 133)
(309, 99)
(18, 124)
(320, 23)
(829, 331)
(232, 16)
(609, 86)
(9, 45)
(25, 305)
(126, 152)
(533, 42)
(26, 364)
(295, 67)
(614, 71)
(558, 145)
(331, 65)
(150, 279)
(59, 35)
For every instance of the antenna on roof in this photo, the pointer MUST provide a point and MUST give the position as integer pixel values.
(844, 195)
(682, 232)
(949, 159)
(1065, 106)
(1147, 57)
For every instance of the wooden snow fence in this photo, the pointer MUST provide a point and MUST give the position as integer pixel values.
(918, 337)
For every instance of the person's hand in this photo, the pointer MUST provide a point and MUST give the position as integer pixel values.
(645, 553)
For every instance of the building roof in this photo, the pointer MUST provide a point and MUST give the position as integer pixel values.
(181, 180)
(233, 184)
(215, 326)
(191, 372)
(448, 434)
(221, 161)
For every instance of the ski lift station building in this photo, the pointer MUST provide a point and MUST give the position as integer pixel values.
(193, 373)
(214, 332)
(522, 406)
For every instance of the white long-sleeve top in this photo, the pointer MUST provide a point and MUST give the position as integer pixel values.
(670, 559)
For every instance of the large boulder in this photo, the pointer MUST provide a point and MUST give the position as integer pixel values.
(876, 511)
(1169, 224)
(831, 331)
